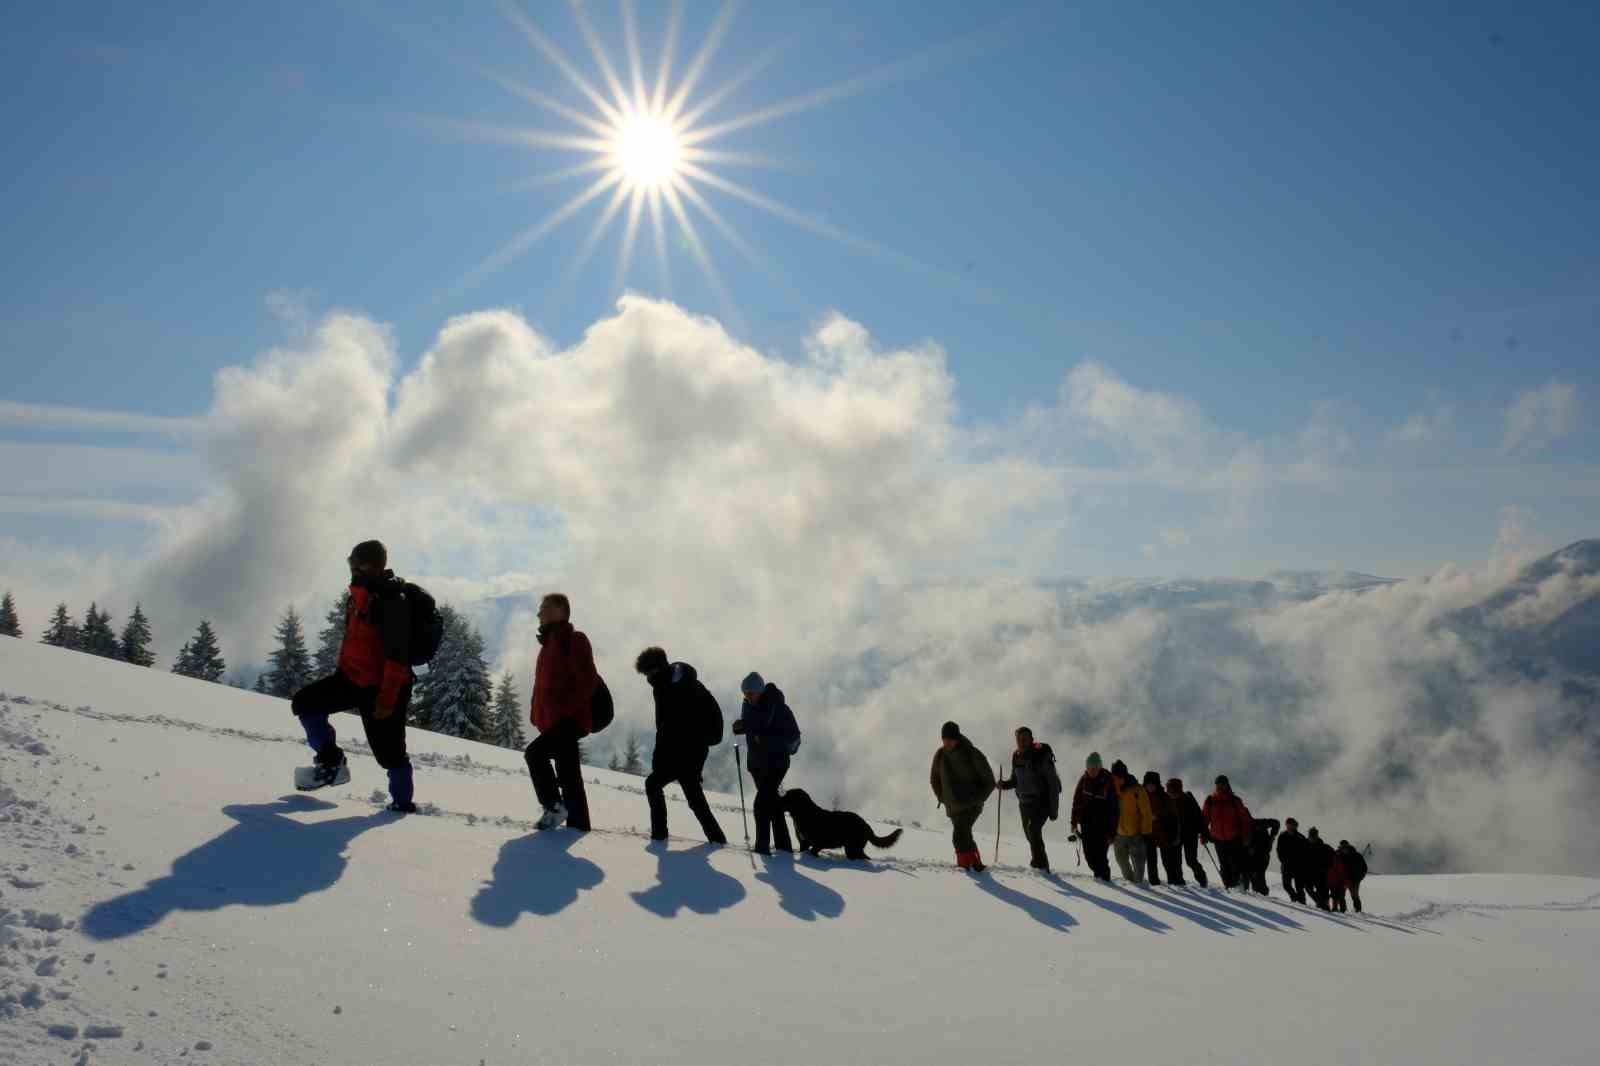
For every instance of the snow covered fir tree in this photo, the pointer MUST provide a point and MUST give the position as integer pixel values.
(506, 728)
(332, 635)
(291, 668)
(96, 636)
(455, 695)
(61, 633)
(201, 657)
(134, 646)
(10, 624)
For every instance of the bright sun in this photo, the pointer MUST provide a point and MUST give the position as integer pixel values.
(645, 151)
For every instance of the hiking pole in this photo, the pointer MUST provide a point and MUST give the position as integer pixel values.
(1207, 845)
(739, 770)
(997, 801)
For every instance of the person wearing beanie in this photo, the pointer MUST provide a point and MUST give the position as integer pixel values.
(1038, 788)
(1291, 860)
(1163, 842)
(1094, 815)
(688, 726)
(962, 780)
(1355, 868)
(373, 678)
(1230, 826)
(565, 683)
(1191, 828)
(771, 737)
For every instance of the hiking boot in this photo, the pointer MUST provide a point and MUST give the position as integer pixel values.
(396, 807)
(321, 775)
(552, 816)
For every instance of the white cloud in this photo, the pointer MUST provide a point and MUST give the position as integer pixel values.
(1540, 417)
(1429, 425)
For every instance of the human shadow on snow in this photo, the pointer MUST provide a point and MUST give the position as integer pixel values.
(266, 859)
(1217, 922)
(1047, 914)
(536, 874)
(798, 894)
(1131, 914)
(686, 880)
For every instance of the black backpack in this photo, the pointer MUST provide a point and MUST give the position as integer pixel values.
(602, 709)
(713, 719)
(427, 625)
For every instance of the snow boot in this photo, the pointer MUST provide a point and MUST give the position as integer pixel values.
(321, 775)
(553, 816)
(396, 807)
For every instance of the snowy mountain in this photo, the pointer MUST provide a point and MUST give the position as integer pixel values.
(165, 898)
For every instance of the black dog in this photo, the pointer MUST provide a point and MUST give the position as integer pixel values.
(818, 829)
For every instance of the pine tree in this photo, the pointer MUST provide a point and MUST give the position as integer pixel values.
(201, 657)
(507, 729)
(633, 756)
(261, 683)
(332, 636)
(461, 691)
(425, 694)
(96, 635)
(615, 763)
(291, 663)
(10, 626)
(135, 644)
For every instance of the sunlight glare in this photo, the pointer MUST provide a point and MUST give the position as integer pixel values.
(646, 151)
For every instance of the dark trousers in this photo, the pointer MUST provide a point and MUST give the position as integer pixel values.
(1337, 900)
(1191, 856)
(1258, 875)
(564, 783)
(385, 736)
(1172, 861)
(1316, 886)
(1355, 895)
(1292, 884)
(1231, 859)
(688, 776)
(770, 822)
(1152, 857)
(1096, 852)
(961, 823)
(1034, 816)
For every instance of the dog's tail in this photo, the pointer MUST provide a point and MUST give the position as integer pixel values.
(886, 842)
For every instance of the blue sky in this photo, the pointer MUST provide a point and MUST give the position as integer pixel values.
(1309, 221)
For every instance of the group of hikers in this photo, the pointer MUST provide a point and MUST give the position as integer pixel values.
(1112, 813)
(1142, 822)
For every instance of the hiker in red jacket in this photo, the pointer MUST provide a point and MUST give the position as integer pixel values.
(1338, 881)
(564, 683)
(1229, 825)
(373, 678)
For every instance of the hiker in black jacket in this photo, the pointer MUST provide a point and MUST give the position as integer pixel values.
(1291, 859)
(771, 737)
(1038, 788)
(1355, 868)
(1263, 832)
(688, 724)
(1191, 827)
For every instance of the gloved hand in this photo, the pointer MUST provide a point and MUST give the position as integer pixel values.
(738, 727)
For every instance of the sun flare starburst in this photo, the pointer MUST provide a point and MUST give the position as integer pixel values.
(647, 146)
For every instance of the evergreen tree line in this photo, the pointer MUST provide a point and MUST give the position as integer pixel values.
(454, 695)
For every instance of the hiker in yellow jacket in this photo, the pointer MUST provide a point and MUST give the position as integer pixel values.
(1135, 821)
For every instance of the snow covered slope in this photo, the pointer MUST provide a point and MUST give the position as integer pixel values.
(165, 898)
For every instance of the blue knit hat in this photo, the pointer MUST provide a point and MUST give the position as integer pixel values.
(753, 682)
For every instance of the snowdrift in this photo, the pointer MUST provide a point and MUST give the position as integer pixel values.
(165, 897)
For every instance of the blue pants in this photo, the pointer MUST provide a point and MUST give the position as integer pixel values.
(385, 736)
